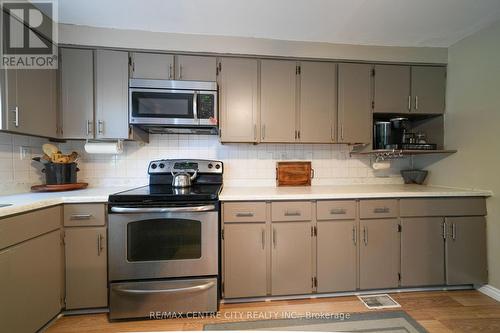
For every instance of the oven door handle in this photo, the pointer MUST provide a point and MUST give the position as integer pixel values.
(134, 210)
(198, 288)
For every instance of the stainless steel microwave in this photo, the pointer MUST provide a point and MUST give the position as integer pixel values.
(163, 104)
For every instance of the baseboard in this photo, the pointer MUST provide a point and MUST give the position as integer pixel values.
(490, 291)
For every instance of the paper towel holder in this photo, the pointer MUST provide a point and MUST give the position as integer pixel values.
(93, 146)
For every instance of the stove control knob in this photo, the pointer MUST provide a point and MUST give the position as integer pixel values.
(161, 165)
(153, 166)
(217, 166)
(210, 165)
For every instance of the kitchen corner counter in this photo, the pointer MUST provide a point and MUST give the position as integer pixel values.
(25, 202)
(322, 192)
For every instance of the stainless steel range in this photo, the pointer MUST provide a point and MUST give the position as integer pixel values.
(164, 241)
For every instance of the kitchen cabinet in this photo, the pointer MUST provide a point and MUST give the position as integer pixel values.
(245, 268)
(391, 89)
(354, 103)
(111, 89)
(157, 66)
(31, 283)
(466, 250)
(238, 95)
(428, 89)
(336, 255)
(318, 102)
(278, 93)
(422, 251)
(195, 68)
(31, 104)
(291, 263)
(379, 254)
(86, 267)
(77, 93)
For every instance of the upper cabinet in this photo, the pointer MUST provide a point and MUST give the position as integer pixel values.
(391, 89)
(111, 87)
(318, 102)
(172, 67)
(77, 93)
(355, 97)
(31, 103)
(278, 93)
(428, 89)
(409, 89)
(195, 68)
(151, 66)
(238, 92)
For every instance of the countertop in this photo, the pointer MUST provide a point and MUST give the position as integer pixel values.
(345, 192)
(29, 201)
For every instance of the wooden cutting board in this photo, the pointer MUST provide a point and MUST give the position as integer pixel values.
(58, 188)
(293, 173)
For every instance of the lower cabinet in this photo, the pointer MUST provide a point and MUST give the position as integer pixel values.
(245, 267)
(422, 251)
(466, 250)
(291, 264)
(31, 283)
(336, 255)
(379, 254)
(86, 267)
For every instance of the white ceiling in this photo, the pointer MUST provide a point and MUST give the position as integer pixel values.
(369, 22)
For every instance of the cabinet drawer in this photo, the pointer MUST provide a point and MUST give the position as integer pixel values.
(291, 211)
(467, 206)
(19, 228)
(80, 215)
(244, 212)
(336, 210)
(374, 209)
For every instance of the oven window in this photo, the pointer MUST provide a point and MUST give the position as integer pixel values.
(163, 239)
(162, 105)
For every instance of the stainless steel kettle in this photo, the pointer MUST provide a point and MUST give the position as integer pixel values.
(183, 178)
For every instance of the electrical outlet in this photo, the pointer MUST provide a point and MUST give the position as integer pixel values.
(25, 153)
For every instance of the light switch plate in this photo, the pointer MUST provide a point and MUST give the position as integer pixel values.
(25, 153)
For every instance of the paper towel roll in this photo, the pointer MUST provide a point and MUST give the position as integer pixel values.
(104, 147)
(381, 165)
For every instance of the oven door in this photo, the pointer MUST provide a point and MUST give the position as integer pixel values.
(149, 243)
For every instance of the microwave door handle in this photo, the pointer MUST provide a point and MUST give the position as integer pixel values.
(195, 105)
(135, 210)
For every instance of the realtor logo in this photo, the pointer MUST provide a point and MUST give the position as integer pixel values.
(29, 34)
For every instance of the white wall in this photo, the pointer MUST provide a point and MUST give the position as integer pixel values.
(473, 127)
(117, 38)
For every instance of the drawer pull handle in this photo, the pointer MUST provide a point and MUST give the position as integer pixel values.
(294, 213)
(338, 211)
(247, 214)
(100, 244)
(80, 217)
(383, 210)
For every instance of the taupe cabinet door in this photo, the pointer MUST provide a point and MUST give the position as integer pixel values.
(318, 102)
(111, 86)
(86, 267)
(466, 250)
(152, 66)
(31, 283)
(291, 271)
(336, 255)
(32, 101)
(245, 248)
(422, 251)
(392, 89)
(238, 90)
(77, 93)
(379, 254)
(278, 91)
(355, 98)
(196, 68)
(428, 89)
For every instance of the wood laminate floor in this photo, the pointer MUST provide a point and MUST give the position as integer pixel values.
(441, 311)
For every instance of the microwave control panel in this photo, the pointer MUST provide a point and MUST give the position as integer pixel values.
(206, 106)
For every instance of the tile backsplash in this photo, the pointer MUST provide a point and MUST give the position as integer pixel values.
(244, 164)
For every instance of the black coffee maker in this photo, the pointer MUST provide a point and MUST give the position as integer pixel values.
(400, 127)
